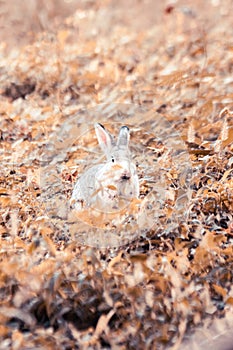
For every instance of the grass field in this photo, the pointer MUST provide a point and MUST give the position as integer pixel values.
(158, 275)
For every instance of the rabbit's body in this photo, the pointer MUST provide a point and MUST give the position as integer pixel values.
(109, 185)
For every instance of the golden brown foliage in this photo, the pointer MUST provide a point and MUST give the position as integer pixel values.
(120, 65)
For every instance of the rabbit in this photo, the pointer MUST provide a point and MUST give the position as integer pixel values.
(109, 185)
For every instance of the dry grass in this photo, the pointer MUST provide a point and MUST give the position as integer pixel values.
(148, 281)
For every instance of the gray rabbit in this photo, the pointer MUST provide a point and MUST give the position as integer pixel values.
(110, 185)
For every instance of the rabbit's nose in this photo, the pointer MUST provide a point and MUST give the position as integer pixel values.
(125, 176)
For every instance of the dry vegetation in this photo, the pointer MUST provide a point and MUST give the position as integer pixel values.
(166, 71)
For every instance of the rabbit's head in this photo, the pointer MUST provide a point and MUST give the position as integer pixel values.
(116, 181)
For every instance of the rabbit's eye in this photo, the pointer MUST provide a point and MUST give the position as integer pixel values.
(113, 160)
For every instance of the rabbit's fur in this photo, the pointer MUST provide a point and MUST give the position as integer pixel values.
(108, 185)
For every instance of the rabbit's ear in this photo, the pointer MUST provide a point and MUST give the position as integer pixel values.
(123, 137)
(104, 138)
